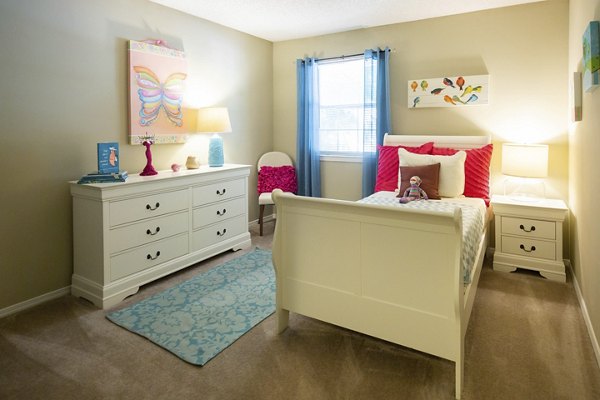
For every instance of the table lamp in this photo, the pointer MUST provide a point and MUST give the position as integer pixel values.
(527, 163)
(214, 120)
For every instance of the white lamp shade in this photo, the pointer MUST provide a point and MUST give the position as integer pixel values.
(525, 160)
(213, 120)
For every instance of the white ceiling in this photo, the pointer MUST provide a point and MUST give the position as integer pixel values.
(277, 20)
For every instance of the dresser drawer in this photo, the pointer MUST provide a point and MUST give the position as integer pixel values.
(529, 247)
(218, 232)
(210, 214)
(148, 206)
(148, 256)
(218, 192)
(529, 227)
(146, 231)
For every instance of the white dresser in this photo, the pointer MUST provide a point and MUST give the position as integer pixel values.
(530, 235)
(130, 233)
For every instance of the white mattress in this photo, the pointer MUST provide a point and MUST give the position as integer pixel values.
(473, 220)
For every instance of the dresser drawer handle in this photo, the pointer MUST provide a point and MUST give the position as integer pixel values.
(221, 193)
(530, 229)
(219, 233)
(149, 232)
(149, 207)
(149, 257)
(522, 247)
(221, 213)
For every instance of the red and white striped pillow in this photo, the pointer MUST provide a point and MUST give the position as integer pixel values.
(477, 170)
(388, 164)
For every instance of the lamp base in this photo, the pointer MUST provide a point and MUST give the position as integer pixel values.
(525, 189)
(215, 151)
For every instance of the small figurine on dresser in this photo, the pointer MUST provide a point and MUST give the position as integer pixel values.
(414, 192)
(148, 169)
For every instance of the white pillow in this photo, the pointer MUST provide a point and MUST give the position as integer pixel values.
(452, 170)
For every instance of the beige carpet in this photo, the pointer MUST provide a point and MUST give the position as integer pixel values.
(526, 340)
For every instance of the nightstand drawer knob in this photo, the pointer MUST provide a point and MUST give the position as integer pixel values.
(530, 229)
(522, 247)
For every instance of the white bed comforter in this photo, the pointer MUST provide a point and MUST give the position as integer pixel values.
(473, 220)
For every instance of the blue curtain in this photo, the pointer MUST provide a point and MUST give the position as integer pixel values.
(307, 145)
(378, 119)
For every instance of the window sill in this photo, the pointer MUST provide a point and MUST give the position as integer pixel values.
(332, 158)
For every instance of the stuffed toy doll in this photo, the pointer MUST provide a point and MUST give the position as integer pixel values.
(414, 192)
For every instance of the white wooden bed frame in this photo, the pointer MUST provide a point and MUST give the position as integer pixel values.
(384, 271)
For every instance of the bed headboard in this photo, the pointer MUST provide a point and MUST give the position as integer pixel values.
(455, 142)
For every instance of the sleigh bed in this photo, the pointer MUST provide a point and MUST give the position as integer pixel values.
(392, 272)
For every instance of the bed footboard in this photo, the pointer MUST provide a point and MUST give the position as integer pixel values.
(387, 272)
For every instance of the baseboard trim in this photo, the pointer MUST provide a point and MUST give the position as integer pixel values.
(266, 218)
(24, 305)
(27, 304)
(586, 315)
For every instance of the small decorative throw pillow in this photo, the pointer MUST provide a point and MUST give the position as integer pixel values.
(271, 178)
(452, 170)
(429, 174)
(477, 170)
(387, 165)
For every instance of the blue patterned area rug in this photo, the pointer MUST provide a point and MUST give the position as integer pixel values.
(198, 318)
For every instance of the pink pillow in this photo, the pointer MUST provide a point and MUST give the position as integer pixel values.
(477, 170)
(388, 163)
(271, 178)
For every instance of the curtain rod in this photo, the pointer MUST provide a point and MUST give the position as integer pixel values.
(342, 57)
(347, 56)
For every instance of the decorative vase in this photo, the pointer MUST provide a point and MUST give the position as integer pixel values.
(192, 163)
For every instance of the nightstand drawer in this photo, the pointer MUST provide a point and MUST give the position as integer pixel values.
(529, 227)
(529, 247)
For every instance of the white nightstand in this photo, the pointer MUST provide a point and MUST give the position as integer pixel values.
(529, 235)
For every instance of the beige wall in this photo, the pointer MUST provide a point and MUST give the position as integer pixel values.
(584, 174)
(63, 77)
(522, 48)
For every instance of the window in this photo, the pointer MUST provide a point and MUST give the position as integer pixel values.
(342, 106)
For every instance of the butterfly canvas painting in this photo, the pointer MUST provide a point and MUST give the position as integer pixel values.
(157, 78)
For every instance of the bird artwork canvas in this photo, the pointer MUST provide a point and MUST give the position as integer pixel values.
(157, 77)
(448, 91)
(591, 56)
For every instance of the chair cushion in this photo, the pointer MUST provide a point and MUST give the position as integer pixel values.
(265, 199)
(271, 178)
